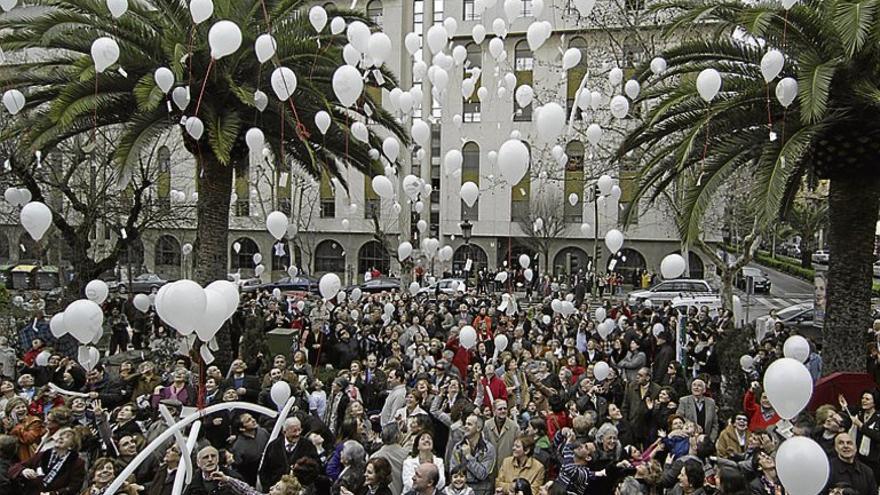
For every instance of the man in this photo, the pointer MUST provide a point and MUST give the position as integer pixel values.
(374, 383)
(112, 393)
(477, 455)
(283, 452)
(396, 397)
(163, 480)
(493, 386)
(592, 354)
(501, 431)
(394, 453)
(665, 354)
(246, 386)
(250, 441)
(425, 480)
(700, 409)
(845, 467)
(635, 403)
(575, 473)
(280, 362)
(203, 482)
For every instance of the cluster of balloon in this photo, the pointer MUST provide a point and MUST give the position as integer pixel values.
(188, 308)
(83, 319)
(672, 266)
(36, 218)
(17, 196)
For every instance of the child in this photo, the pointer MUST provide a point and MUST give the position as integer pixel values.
(318, 399)
(459, 482)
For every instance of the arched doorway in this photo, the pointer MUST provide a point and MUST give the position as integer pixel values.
(329, 258)
(243, 260)
(167, 257)
(696, 268)
(628, 262)
(479, 259)
(280, 255)
(373, 255)
(569, 260)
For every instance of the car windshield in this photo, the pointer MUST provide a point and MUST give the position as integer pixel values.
(751, 272)
(791, 312)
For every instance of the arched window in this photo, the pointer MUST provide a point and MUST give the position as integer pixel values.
(569, 261)
(280, 255)
(696, 268)
(167, 256)
(471, 106)
(522, 66)
(478, 257)
(627, 262)
(574, 182)
(520, 195)
(374, 12)
(576, 73)
(244, 258)
(163, 180)
(329, 257)
(5, 252)
(373, 255)
(470, 172)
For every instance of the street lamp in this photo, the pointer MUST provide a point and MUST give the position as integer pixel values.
(466, 230)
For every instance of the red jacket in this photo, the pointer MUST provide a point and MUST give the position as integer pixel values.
(752, 408)
(497, 387)
(556, 422)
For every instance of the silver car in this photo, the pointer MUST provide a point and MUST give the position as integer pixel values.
(669, 290)
(446, 285)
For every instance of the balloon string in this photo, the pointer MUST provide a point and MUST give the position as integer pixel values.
(281, 105)
(95, 114)
(204, 83)
(266, 16)
(769, 114)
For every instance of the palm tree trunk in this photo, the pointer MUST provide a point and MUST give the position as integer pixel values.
(853, 202)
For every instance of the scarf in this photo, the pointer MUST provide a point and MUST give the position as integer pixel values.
(56, 462)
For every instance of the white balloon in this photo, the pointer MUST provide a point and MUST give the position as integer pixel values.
(280, 392)
(141, 302)
(329, 285)
(56, 325)
(12, 196)
(496, 47)
(615, 76)
(194, 127)
(347, 84)
(601, 371)
(322, 121)
(658, 65)
(573, 199)
(657, 329)
(786, 91)
(182, 305)
(478, 33)
(445, 253)
(468, 337)
(708, 84)
(600, 314)
(524, 260)
(802, 466)
(230, 294)
(787, 4)
(351, 56)
(105, 52)
(536, 35)
(88, 357)
(595, 100)
(619, 106)
(383, 187)
(13, 100)
(789, 386)
(421, 133)
(437, 38)
(97, 291)
(594, 134)
(391, 148)
(259, 270)
(379, 48)
(36, 219)
(499, 27)
(358, 35)
(255, 140)
(551, 121)
(524, 95)
(224, 38)
(614, 240)
(605, 183)
(672, 266)
(796, 347)
(215, 314)
(318, 18)
(482, 93)
(180, 97)
(257, 258)
(404, 250)
(469, 193)
(513, 159)
(236, 246)
(632, 88)
(201, 10)
(771, 64)
(164, 78)
(284, 83)
(412, 42)
(276, 224)
(571, 58)
(406, 101)
(746, 362)
(452, 161)
(83, 319)
(337, 25)
(24, 195)
(8, 5)
(584, 7)
(459, 54)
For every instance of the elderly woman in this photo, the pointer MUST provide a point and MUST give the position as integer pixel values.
(103, 473)
(422, 452)
(178, 389)
(353, 460)
(521, 465)
(58, 471)
(26, 428)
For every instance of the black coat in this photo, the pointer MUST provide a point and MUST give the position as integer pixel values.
(277, 462)
(251, 384)
(857, 474)
(665, 355)
(201, 486)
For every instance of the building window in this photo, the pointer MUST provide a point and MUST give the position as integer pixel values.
(438, 12)
(372, 203)
(329, 257)
(526, 10)
(575, 74)
(469, 10)
(374, 12)
(328, 199)
(471, 106)
(523, 63)
(470, 172)
(168, 251)
(243, 191)
(574, 182)
(244, 258)
(635, 5)
(163, 182)
(373, 255)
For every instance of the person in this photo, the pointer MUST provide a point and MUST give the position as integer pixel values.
(867, 424)
(8, 457)
(206, 481)
(28, 429)
(353, 459)
(459, 485)
(520, 465)
(250, 441)
(394, 453)
(287, 485)
(477, 455)
(575, 473)
(283, 452)
(425, 480)
(422, 452)
(767, 480)
(102, 473)
(59, 471)
(734, 439)
(501, 430)
(699, 408)
(163, 480)
(639, 393)
(761, 413)
(377, 478)
(396, 396)
(846, 467)
(246, 385)
(691, 479)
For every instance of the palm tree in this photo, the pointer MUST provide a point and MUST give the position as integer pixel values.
(66, 98)
(830, 131)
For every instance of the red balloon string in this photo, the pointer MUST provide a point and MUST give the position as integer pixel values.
(204, 83)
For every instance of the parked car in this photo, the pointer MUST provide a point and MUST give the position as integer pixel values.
(800, 317)
(143, 283)
(380, 284)
(250, 284)
(301, 284)
(711, 301)
(670, 289)
(760, 281)
(821, 257)
(446, 285)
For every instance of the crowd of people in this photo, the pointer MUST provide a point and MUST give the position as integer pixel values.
(388, 400)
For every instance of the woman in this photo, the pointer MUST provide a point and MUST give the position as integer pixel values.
(353, 459)
(867, 421)
(103, 473)
(377, 477)
(288, 485)
(659, 411)
(517, 385)
(8, 457)
(732, 482)
(217, 426)
(26, 428)
(124, 424)
(63, 472)
(178, 389)
(634, 360)
(520, 465)
(422, 452)
(44, 401)
(767, 482)
(350, 430)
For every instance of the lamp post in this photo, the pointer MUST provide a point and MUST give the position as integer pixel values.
(466, 230)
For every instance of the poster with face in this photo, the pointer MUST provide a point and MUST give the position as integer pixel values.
(819, 285)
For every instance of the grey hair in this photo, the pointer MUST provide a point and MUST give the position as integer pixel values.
(629, 486)
(605, 430)
(289, 422)
(353, 453)
(390, 434)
